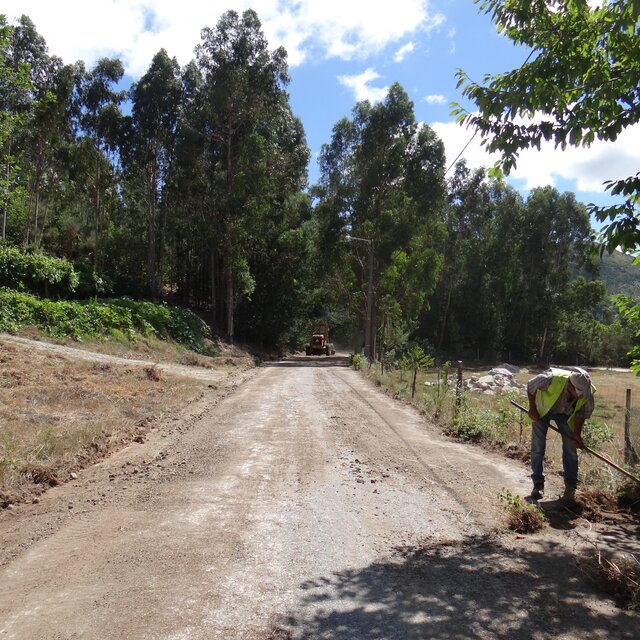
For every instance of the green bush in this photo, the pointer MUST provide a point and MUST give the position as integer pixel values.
(477, 424)
(36, 273)
(92, 283)
(596, 433)
(102, 318)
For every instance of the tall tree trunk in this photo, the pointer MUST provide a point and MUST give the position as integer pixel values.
(96, 216)
(230, 297)
(152, 280)
(229, 244)
(161, 249)
(445, 317)
(543, 343)
(5, 208)
(214, 292)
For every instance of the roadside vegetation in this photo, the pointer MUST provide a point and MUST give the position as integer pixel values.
(491, 421)
(522, 517)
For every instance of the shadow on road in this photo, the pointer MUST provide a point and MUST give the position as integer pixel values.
(475, 589)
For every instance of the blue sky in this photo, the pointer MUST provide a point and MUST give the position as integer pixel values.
(340, 51)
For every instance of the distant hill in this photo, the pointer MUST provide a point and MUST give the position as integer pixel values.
(621, 276)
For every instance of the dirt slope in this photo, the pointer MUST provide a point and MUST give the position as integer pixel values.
(304, 505)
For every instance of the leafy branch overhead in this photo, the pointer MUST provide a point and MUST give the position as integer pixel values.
(580, 82)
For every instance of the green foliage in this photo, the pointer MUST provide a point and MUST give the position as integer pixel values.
(416, 360)
(566, 93)
(382, 184)
(596, 433)
(522, 516)
(630, 312)
(92, 283)
(356, 361)
(507, 274)
(477, 423)
(36, 272)
(252, 151)
(101, 319)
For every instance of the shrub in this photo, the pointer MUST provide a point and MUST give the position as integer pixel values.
(102, 318)
(618, 575)
(477, 424)
(596, 433)
(36, 273)
(522, 517)
(92, 283)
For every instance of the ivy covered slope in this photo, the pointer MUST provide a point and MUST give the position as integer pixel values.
(24, 277)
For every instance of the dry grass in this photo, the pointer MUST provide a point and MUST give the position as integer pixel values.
(161, 351)
(617, 575)
(59, 414)
(595, 504)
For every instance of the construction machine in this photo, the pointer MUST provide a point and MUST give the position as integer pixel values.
(319, 343)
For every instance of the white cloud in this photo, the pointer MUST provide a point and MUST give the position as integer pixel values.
(403, 51)
(360, 86)
(135, 30)
(451, 34)
(586, 168)
(436, 98)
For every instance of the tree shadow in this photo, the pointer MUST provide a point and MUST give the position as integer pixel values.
(474, 589)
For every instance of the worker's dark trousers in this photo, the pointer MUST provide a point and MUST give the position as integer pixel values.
(569, 451)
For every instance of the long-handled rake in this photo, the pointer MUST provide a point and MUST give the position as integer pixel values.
(588, 450)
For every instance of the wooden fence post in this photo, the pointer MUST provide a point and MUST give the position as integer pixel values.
(630, 454)
(459, 387)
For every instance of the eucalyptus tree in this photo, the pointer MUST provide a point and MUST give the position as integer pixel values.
(244, 120)
(99, 127)
(480, 272)
(382, 180)
(553, 238)
(508, 269)
(15, 86)
(47, 131)
(149, 152)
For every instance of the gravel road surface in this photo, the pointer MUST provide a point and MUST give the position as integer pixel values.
(305, 504)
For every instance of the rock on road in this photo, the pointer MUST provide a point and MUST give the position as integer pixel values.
(306, 504)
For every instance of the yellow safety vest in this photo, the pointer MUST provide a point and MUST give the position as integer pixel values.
(546, 399)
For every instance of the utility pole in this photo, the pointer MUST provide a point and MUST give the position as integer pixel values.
(368, 327)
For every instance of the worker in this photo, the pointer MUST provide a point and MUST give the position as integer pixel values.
(565, 396)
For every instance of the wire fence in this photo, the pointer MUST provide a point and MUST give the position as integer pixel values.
(615, 406)
(632, 444)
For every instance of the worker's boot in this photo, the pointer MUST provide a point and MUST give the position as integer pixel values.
(538, 491)
(569, 496)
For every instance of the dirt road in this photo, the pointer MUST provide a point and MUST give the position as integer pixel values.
(304, 505)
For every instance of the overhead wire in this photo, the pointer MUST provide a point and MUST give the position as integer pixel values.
(476, 131)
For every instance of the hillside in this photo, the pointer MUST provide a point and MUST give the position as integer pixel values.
(620, 274)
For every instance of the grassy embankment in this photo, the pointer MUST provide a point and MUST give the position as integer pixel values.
(58, 414)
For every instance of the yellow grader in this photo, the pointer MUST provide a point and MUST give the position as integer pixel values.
(319, 343)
